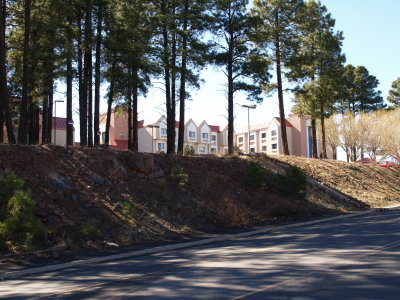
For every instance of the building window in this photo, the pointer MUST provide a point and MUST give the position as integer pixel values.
(273, 133)
(122, 136)
(213, 150)
(161, 146)
(192, 134)
(163, 131)
(253, 150)
(213, 138)
(103, 137)
(264, 135)
(264, 148)
(252, 137)
(240, 139)
(274, 146)
(205, 136)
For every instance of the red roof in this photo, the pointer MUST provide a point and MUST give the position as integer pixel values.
(60, 123)
(214, 128)
(176, 124)
(287, 122)
(140, 124)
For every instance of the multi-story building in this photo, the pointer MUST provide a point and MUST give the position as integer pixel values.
(266, 137)
(202, 139)
(210, 139)
(119, 134)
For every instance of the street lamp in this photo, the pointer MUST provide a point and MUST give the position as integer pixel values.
(248, 120)
(55, 116)
(152, 141)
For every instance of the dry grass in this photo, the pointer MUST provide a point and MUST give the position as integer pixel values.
(373, 185)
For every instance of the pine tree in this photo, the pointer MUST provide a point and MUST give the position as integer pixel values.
(4, 97)
(278, 34)
(394, 94)
(235, 54)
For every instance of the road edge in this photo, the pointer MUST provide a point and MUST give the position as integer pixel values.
(154, 250)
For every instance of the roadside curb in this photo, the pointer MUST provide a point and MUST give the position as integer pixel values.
(159, 249)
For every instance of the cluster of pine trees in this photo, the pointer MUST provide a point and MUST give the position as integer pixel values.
(127, 44)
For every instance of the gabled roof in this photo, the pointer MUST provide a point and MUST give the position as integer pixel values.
(214, 128)
(279, 122)
(202, 123)
(190, 120)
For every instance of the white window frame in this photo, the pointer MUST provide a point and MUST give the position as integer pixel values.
(160, 148)
(194, 134)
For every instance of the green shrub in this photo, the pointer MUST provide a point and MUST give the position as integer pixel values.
(188, 150)
(128, 210)
(293, 183)
(178, 176)
(90, 230)
(18, 227)
(9, 184)
(255, 175)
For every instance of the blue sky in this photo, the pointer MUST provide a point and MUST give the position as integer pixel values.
(371, 32)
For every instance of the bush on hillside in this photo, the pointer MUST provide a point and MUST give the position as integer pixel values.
(255, 175)
(128, 210)
(90, 230)
(178, 176)
(19, 228)
(293, 183)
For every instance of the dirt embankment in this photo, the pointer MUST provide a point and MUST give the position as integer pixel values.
(87, 196)
(370, 184)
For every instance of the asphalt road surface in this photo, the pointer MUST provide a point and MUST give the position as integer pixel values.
(357, 258)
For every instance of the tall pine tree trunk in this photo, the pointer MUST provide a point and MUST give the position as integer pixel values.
(314, 138)
(88, 70)
(69, 79)
(129, 104)
(231, 47)
(135, 94)
(3, 76)
(167, 74)
(323, 137)
(280, 97)
(97, 74)
(109, 103)
(90, 104)
(182, 91)
(50, 110)
(44, 116)
(82, 88)
(171, 124)
(23, 118)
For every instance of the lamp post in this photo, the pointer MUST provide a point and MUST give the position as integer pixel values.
(55, 116)
(248, 121)
(152, 141)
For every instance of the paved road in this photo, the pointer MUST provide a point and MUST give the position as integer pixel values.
(356, 258)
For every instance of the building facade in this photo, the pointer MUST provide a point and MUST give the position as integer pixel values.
(210, 139)
(266, 137)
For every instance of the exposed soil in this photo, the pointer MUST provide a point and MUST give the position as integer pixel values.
(368, 183)
(76, 187)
